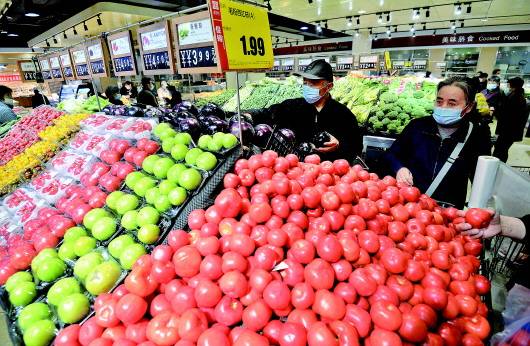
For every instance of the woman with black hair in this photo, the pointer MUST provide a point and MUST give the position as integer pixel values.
(512, 119)
(176, 97)
(113, 95)
(439, 154)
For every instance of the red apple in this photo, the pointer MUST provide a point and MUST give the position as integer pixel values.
(110, 156)
(58, 224)
(129, 154)
(139, 157)
(151, 147)
(110, 182)
(99, 168)
(97, 200)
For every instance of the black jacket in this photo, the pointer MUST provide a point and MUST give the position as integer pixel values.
(304, 119)
(421, 149)
(146, 97)
(513, 116)
(521, 276)
(495, 99)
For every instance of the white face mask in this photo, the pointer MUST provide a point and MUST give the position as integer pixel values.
(491, 86)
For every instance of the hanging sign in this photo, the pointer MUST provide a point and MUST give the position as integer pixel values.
(155, 49)
(287, 65)
(193, 38)
(55, 67)
(80, 61)
(45, 68)
(242, 35)
(419, 64)
(122, 54)
(398, 64)
(28, 71)
(97, 58)
(344, 63)
(9, 77)
(66, 65)
(368, 62)
(303, 63)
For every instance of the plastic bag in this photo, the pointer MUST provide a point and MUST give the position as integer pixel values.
(516, 319)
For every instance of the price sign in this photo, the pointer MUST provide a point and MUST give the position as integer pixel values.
(242, 35)
(287, 65)
(155, 49)
(55, 67)
(368, 62)
(97, 58)
(45, 68)
(28, 71)
(276, 66)
(398, 64)
(420, 64)
(197, 57)
(66, 64)
(344, 63)
(122, 54)
(80, 62)
(303, 63)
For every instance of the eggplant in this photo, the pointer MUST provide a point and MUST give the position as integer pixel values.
(320, 138)
(135, 111)
(212, 109)
(288, 135)
(305, 148)
(246, 128)
(262, 134)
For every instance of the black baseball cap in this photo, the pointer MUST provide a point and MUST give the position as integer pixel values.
(318, 69)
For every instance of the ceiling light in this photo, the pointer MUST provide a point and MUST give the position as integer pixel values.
(350, 22)
(434, 32)
(468, 10)
(64, 35)
(75, 31)
(85, 26)
(54, 40)
(12, 35)
(358, 20)
(427, 12)
(412, 28)
(361, 11)
(304, 27)
(458, 9)
(388, 17)
(326, 24)
(424, 26)
(269, 7)
(357, 33)
(99, 20)
(319, 28)
(388, 31)
(462, 24)
(381, 2)
(380, 19)
(415, 13)
(484, 20)
(453, 25)
(32, 14)
(413, 34)
(47, 43)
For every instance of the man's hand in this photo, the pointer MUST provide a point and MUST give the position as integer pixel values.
(492, 230)
(330, 146)
(404, 176)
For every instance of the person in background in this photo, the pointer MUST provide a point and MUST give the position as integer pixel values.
(128, 89)
(146, 96)
(315, 113)
(512, 119)
(425, 145)
(163, 92)
(175, 98)
(496, 72)
(506, 226)
(483, 81)
(428, 74)
(38, 99)
(113, 95)
(6, 105)
(494, 95)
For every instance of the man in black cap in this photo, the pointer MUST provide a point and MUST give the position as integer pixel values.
(317, 112)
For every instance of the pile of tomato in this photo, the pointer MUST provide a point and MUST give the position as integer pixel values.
(296, 253)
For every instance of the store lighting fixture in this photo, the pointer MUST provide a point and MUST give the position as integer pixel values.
(434, 32)
(64, 35)
(361, 11)
(54, 40)
(326, 24)
(269, 7)
(310, 1)
(357, 33)
(484, 20)
(414, 34)
(75, 31)
(458, 9)
(388, 31)
(358, 20)
(32, 14)
(412, 28)
(12, 35)
(424, 26)
(381, 2)
(388, 17)
(319, 28)
(350, 22)
(99, 20)
(415, 13)
(468, 10)
(85, 26)
(453, 25)
(304, 27)
(380, 19)
(427, 12)
(47, 43)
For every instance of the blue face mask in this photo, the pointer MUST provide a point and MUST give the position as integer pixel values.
(447, 116)
(311, 95)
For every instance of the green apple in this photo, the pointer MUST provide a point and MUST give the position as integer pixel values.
(167, 133)
(40, 333)
(126, 202)
(218, 140)
(179, 152)
(73, 308)
(23, 293)
(113, 198)
(174, 172)
(103, 277)
(190, 179)
(104, 228)
(182, 138)
(61, 289)
(50, 269)
(215, 146)
(152, 194)
(73, 233)
(86, 263)
(32, 313)
(128, 220)
(177, 196)
(43, 254)
(206, 161)
(229, 141)
(130, 254)
(162, 203)
(148, 234)
(92, 216)
(132, 178)
(161, 167)
(117, 245)
(17, 278)
(84, 245)
(67, 251)
(160, 128)
(165, 186)
(167, 144)
(149, 163)
(147, 215)
(192, 155)
(218, 136)
(143, 185)
(204, 140)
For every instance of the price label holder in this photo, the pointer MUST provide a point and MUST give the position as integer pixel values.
(79, 57)
(194, 42)
(368, 62)
(344, 63)
(155, 49)
(122, 54)
(420, 64)
(55, 67)
(28, 71)
(97, 58)
(45, 68)
(303, 63)
(287, 65)
(242, 35)
(66, 65)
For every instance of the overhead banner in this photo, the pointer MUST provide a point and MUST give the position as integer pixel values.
(45, 68)
(28, 71)
(122, 54)
(314, 48)
(97, 58)
(9, 77)
(66, 65)
(80, 61)
(155, 49)
(194, 43)
(242, 35)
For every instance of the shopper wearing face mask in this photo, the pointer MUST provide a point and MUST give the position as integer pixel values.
(317, 112)
(146, 97)
(6, 105)
(439, 154)
(494, 95)
(512, 119)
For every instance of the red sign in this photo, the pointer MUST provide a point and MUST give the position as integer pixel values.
(314, 48)
(10, 77)
(218, 33)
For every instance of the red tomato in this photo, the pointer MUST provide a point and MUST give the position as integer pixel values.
(440, 259)
(319, 274)
(355, 222)
(187, 261)
(256, 315)
(277, 295)
(207, 294)
(467, 305)
(410, 193)
(366, 209)
(381, 337)
(451, 309)
(137, 332)
(399, 213)
(478, 326)
(89, 331)
(401, 286)
(163, 329)
(385, 315)
(320, 335)
(482, 285)
(413, 328)
(328, 305)
(369, 241)
(234, 284)
(292, 334)
(450, 334)
(68, 336)
(130, 308)
(363, 283)
(329, 248)
(213, 336)
(397, 231)
(346, 332)
(394, 260)
(478, 218)
(191, 325)
(350, 248)
(435, 297)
